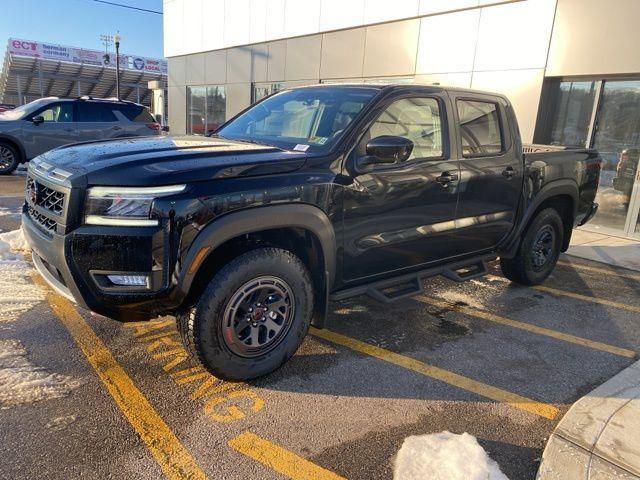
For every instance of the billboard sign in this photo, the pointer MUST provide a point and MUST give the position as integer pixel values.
(51, 51)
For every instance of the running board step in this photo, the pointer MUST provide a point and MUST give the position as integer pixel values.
(467, 272)
(397, 288)
(396, 292)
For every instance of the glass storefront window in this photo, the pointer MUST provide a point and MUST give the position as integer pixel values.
(573, 104)
(603, 114)
(617, 138)
(261, 90)
(206, 109)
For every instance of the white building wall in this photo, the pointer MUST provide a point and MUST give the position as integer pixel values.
(192, 26)
(502, 47)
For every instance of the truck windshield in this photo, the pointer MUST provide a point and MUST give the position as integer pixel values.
(311, 118)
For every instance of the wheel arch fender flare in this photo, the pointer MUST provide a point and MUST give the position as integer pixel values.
(258, 219)
(566, 187)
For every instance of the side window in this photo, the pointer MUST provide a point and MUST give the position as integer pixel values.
(419, 120)
(95, 112)
(136, 113)
(479, 128)
(58, 113)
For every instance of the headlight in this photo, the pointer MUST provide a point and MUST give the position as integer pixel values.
(124, 206)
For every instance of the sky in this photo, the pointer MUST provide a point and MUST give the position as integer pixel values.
(79, 23)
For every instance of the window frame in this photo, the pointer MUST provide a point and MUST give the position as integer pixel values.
(104, 105)
(444, 129)
(500, 114)
(74, 117)
(206, 87)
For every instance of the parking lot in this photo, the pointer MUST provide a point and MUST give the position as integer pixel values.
(83, 395)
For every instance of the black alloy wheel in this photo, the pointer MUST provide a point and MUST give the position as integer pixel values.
(258, 316)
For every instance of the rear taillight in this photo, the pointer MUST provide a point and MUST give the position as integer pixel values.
(153, 126)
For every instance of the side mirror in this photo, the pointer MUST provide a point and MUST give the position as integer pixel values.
(38, 119)
(384, 149)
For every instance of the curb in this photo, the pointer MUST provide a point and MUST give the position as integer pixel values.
(599, 437)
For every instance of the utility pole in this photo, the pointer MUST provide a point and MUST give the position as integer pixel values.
(116, 39)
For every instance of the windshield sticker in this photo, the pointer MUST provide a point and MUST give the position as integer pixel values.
(320, 140)
(301, 147)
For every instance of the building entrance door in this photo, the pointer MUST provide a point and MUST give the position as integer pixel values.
(616, 135)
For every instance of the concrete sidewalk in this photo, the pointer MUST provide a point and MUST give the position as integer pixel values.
(615, 251)
(599, 437)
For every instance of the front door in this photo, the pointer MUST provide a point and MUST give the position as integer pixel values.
(402, 215)
(57, 129)
(491, 172)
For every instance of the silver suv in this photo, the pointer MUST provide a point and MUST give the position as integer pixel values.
(47, 123)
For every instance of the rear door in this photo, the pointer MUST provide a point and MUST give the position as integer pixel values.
(58, 128)
(491, 170)
(97, 121)
(402, 215)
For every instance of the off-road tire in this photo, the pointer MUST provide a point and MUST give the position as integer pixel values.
(521, 268)
(7, 150)
(201, 326)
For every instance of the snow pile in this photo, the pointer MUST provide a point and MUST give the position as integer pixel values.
(17, 293)
(13, 241)
(445, 456)
(23, 382)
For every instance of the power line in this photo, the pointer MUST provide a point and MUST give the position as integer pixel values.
(128, 6)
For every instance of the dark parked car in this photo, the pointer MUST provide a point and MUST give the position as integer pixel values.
(47, 123)
(313, 194)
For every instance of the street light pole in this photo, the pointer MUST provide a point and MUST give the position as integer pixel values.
(116, 39)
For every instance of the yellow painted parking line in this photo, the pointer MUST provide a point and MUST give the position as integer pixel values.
(494, 393)
(176, 462)
(528, 327)
(605, 271)
(587, 298)
(279, 459)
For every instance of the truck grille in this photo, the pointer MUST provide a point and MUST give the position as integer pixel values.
(45, 197)
(47, 223)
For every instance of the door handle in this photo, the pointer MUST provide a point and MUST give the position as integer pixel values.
(117, 127)
(447, 178)
(508, 172)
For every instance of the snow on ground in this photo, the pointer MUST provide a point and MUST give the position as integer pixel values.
(456, 296)
(5, 212)
(17, 293)
(23, 382)
(13, 240)
(445, 456)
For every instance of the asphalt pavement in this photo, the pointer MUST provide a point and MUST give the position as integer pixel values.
(102, 399)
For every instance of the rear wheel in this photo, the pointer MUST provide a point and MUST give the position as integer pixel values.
(538, 252)
(252, 317)
(9, 158)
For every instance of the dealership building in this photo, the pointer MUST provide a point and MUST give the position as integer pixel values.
(570, 67)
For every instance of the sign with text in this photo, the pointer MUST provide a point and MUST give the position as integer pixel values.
(51, 51)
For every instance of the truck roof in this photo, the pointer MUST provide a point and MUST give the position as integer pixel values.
(404, 86)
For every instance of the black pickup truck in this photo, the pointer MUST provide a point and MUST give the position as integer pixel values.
(313, 194)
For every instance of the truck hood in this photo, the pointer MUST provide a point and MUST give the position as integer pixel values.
(158, 160)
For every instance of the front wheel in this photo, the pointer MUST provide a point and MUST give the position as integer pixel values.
(252, 317)
(9, 159)
(538, 251)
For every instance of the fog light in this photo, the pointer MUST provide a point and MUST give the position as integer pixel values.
(129, 280)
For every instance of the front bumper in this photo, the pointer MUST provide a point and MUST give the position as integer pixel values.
(72, 264)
